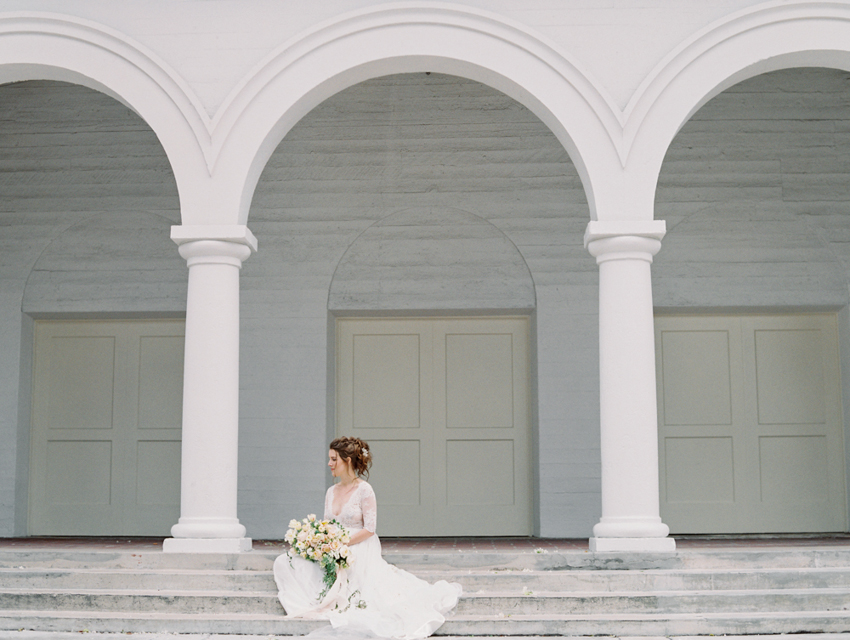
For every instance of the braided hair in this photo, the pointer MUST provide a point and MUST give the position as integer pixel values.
(356, 452)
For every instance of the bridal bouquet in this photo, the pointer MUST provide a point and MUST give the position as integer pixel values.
(322, 541)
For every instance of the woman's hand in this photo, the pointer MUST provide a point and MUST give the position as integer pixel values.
(360, 536)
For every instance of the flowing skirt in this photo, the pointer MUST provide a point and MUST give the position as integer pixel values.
(371, 597)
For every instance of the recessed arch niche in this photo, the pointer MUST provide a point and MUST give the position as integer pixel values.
(431, 258)
(750, 281)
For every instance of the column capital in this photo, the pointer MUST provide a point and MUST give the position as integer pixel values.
(235, 233)
(214, 244)
(624, 239)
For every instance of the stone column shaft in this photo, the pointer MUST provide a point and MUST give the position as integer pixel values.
(628, 413)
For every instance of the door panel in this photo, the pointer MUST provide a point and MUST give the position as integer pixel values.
(481, 427)
(105, 454)
(382, 367)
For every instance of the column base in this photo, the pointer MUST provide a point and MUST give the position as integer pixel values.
(206, 545)
(608, 545)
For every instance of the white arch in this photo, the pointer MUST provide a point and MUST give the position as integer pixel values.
(46, 46)
(407, 38)
(768, 37)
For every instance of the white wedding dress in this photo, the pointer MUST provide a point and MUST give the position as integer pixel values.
(371, 598)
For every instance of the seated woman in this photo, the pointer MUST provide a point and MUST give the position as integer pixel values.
(370, 597)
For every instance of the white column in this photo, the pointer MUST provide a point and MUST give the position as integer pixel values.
(628, 413)
(208, 522)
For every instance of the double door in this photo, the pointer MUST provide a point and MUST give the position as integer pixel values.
(750, 427)
(444, 405)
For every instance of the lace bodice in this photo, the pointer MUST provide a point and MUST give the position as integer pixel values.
(361, 510)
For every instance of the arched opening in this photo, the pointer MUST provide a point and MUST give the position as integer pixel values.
(750, 290)
(381, 41)
(95, 293)
(409, 164)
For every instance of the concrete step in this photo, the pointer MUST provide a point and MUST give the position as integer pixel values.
(152, 622)
(472, 581)
(659, 602)
(600, 624)
(713, 560)
(655, 580)
(527, 603)
(732, 560)
(165, 600)
(179, 579)
(143, 560)
(649, 624)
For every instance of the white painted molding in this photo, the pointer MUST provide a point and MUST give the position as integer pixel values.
(111, 55)
(601, 229)
(404, 38)
(435, 15)
(618, 153)
(767, 37)
(47, 46)
(237, 233)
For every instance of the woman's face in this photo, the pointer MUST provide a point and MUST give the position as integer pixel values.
(337, 463)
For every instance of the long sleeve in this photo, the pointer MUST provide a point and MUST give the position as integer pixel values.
(369, 505)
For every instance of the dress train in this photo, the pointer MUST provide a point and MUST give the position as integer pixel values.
(370, 599)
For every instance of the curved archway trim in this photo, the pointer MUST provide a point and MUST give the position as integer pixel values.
(409, 38)
(768, 37)
(47, 46)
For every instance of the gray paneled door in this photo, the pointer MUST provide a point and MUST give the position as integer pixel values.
(105, 445)
(444, 404)
(750, 426)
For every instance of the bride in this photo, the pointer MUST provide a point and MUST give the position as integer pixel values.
(371, 597)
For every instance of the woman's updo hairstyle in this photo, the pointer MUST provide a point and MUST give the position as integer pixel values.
(356, 451)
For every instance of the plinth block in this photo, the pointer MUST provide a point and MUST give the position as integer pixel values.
(609, 545)
(206, 545)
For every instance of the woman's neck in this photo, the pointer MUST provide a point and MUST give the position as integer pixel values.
(347, 481)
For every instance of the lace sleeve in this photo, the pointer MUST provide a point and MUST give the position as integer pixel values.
(369, 504)
(328, 502)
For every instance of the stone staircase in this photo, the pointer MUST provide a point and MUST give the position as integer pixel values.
(723, 592)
